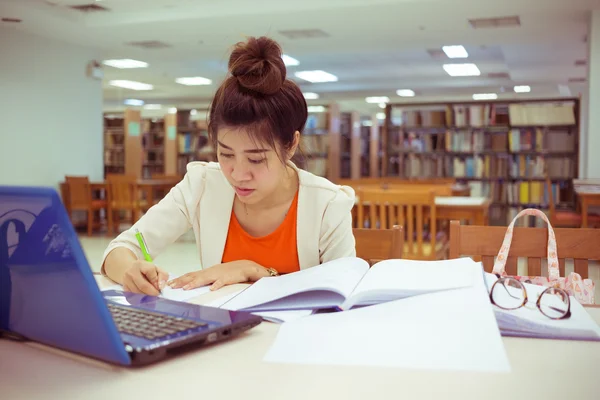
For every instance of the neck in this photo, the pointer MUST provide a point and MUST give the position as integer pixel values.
(287, 187)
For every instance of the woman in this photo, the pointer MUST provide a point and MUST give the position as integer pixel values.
(254, 213)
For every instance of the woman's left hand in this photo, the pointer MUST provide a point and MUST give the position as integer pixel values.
(221, 275)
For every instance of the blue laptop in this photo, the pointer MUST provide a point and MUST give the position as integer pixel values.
(48, 294)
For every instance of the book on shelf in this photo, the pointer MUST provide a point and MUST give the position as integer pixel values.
(348, 282)
(542, 114)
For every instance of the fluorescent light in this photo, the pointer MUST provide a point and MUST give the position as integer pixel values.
(382, 105)
(289, 61)
(125, 63)
(134, 102)
(405, 93)
(133, 85)
(316, 109)
(367, 122)
(311, 96)
(172, 110)
(462, 69)
(380, 115)
(377, 99)
(485, 96)
(193, 81)
(455, 51)
(316, 76)
(152, 107)
(193, 112)
(522, 89)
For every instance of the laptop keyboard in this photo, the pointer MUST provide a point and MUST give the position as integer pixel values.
(147, 324)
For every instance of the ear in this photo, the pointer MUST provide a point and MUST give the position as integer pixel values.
(294, 145)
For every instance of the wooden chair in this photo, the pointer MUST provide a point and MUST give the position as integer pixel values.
(409, 209)
(579, 244)
(566, 218)
(79, 198)
(122, 196)
(374, 245)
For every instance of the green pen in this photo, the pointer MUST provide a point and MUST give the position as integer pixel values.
(142, 243)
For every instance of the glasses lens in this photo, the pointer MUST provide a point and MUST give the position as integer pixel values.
(554, 303)
(508, 293)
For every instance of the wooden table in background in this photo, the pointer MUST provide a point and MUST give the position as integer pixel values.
(587, 199)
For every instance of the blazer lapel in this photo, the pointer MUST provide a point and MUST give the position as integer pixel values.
(307, 239)
(215, 212)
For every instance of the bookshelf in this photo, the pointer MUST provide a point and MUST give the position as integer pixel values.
(502, 149)
(153, 144)
(192, 141)
(114, 144)
(314, 144)
(122, 143)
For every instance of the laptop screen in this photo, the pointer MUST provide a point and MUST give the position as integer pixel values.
(47, 289)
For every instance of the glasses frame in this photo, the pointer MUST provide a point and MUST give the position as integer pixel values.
(526, 300)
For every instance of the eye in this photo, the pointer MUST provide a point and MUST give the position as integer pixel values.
(262, 160)
(226, 155)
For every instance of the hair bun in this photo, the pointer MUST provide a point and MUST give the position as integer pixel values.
(258, 66)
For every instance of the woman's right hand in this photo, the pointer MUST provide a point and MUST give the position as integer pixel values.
(144, 277)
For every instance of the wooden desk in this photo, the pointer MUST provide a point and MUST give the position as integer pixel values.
(587, 199)
(541, 369)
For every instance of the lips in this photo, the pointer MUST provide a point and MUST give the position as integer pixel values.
(243, 192)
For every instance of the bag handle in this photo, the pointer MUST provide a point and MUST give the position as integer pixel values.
(500, 263)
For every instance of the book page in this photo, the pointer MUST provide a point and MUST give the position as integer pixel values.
(395, 279)
(325, 285)
(172, 294)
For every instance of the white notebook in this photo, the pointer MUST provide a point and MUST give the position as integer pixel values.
(349, 282)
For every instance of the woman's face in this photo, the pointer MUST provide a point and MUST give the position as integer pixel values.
(252, 168)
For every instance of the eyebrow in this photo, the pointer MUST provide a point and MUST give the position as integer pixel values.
(252, 151)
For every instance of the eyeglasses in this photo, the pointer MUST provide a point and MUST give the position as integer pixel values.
(509, 294)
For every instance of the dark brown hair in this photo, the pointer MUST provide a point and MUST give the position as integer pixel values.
(257, 97)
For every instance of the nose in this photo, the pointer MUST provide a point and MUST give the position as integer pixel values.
(240, 172)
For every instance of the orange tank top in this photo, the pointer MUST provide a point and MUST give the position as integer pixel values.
(276, 250)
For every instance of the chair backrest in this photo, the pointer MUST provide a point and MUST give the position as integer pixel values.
(578, 244)
(122, 190)
(374, 245)
(410, 209)
(79, 192)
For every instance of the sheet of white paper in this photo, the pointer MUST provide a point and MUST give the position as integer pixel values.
(273, 316)
(173, 294)
(450, 330)
(280, 317)
(328, 284)
(396, 279)
(459, 201)
(223, 300)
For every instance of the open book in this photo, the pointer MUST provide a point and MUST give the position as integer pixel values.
(349, 282)
(528, 321)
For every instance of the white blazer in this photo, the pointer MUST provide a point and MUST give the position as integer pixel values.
(203, 201)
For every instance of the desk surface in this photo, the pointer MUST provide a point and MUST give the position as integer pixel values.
(541, 369)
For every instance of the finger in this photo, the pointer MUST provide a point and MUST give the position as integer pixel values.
(163, 277)
(151, 274)
(201, 280)
(129, 286)
(144, 286)
(219, 283)
(182, 280)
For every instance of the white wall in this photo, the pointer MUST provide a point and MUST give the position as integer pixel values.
(50, 112)
(593, 126)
